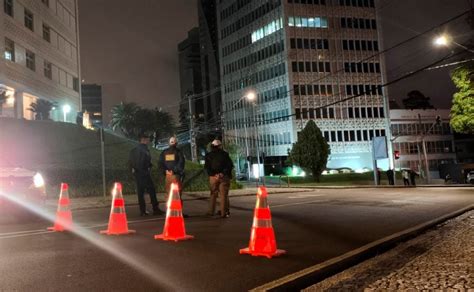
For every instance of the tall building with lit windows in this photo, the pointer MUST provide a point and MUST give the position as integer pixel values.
(304, 59)
(39, 59)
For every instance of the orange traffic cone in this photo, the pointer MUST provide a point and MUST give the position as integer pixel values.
(262, 237)
(118, 224)
(174, 226)
(63, 214)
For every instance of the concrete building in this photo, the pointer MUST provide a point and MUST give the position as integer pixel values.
(305, 60)
(190, 77)
(411, 127)
(209, 55)
(39, 43)
(92, 102)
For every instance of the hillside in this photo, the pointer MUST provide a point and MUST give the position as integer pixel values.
(70, 153)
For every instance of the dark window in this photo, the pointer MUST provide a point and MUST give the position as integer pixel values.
(294, 67)
(46, 33)
(29, 20)
(293, 43)
(350, 112)
(45, 2)
(8, 7)
(30, 60)
(47, 70)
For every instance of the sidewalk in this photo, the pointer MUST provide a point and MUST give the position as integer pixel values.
(101, 202)
(441, 259)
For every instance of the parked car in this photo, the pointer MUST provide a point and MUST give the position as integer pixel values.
(470, 177)
(26, 186)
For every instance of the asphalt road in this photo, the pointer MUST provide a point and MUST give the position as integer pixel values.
(311, 226)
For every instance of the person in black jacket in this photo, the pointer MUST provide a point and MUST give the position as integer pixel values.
(140, 165)
(172, 163)
(219, 168)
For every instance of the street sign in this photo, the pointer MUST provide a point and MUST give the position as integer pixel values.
(380, 147)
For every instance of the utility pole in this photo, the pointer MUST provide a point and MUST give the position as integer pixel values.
(192, 137)
(423, 145)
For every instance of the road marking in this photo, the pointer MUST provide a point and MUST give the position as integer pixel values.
(294, 204)
(44, 231)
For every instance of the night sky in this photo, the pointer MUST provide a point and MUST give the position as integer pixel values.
(136, 45)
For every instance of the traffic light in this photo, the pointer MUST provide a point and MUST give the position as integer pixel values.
(396, 154)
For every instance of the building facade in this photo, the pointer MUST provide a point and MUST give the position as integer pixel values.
(92, 102)
(190, 78)
(209, 55)
(411, 127)
(40, 57)
(305, 60)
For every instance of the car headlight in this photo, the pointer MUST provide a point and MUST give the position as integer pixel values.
(38, 180)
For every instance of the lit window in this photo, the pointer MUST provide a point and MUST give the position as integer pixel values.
(30, 60)
(266, 30)
(9, 50)
(29, 20)
(47, 70)
(8, 7)
(46, 33)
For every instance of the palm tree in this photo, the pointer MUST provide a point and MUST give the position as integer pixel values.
(164, 124)
(42, 109)
(123, 117)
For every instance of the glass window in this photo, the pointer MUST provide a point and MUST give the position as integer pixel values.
(47, 70)
(304, 21)
(29, 22)
(8, 7)
(30, 60)
(46, 33)
(9, 50)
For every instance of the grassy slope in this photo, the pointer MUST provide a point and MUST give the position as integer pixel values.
(69, 153)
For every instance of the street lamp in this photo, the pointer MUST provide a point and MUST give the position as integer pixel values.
(66, 110)
(445, 40)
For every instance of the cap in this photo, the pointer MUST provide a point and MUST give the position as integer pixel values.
(173, 140)
(216, 142)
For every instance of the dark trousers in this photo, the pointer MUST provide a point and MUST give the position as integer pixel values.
(145, 184)
(406, 181)
(219, 187)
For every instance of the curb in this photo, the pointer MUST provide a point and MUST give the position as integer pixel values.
(314, 274)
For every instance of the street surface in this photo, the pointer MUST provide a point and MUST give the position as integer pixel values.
(312, 226)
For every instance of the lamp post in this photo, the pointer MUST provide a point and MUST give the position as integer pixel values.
(252, 97)
(66, 110)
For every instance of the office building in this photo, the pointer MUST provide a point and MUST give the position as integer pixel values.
(40, 57)
(413, 128)
(305, 60)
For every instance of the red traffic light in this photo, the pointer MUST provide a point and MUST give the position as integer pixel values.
(396, 154)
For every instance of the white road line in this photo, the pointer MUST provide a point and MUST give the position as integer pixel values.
(44, 231)
(304, 196)
(293, 204)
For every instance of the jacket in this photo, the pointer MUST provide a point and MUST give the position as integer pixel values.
(172, 159)
(218, 161)
(139, 160)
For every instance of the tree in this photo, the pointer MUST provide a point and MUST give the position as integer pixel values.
(163, 124)
(123, 117)
(311, 151)
(417, 100)
(42, 108)
(462, 111)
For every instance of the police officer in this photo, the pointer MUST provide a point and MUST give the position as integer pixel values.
(219, 168)
(172, 163)
(140, 164)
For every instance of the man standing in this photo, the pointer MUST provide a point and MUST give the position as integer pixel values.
(219, 168)
(172, 163)
(406, 177)
(140, 164)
